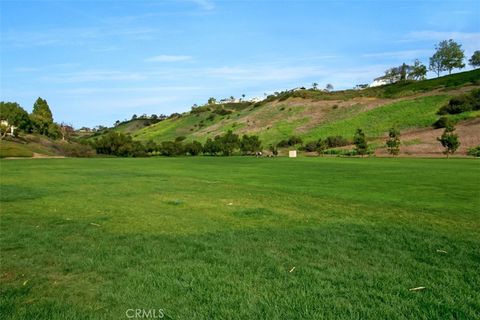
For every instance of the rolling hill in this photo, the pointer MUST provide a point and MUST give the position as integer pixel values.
(312, 114)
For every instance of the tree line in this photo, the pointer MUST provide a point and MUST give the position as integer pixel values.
(448, 55)
(120, 144)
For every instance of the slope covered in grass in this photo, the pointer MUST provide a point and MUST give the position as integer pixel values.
(238, 237)
(314, 114)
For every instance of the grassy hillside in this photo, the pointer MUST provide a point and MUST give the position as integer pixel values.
(315, 114)
(28, 145)
(240, 238)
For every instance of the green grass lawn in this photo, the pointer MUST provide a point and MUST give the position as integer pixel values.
(216, 238)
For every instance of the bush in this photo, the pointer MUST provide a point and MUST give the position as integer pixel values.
(474, 152)
(193, 148)
(76, 150)
(293, 140)
(336, 141)
(443, 122)
(222, 112)
(462, 103)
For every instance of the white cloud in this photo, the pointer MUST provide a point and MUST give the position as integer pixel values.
(168, 58)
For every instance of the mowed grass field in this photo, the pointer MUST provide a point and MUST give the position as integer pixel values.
(240, 238)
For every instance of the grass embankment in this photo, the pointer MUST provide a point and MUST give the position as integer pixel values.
(12, 149)
(236, 238)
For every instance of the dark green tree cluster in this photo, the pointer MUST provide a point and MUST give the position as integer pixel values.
(250, 144)
(462, 103)
(290, 142)
(39, 121)
(118, 144)
(315, 146)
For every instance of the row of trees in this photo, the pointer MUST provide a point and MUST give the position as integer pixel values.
(119, 144)
(39, 121)
(448, 55)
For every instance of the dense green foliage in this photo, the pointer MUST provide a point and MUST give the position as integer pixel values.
(16, 115)
(216, 238)
(118, 144)
(462, 103)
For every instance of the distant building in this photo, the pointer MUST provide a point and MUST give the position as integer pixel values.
(11, 128)
(379, 82)
(257, 99)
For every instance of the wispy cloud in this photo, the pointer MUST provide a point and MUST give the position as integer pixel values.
(72, 36)
(95, 75)
(168, 58)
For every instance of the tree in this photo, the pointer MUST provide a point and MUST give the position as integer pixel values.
(211, 147)
(393, 142)
(314, 86)
(329, 87)
(228, 142)
(360, 142)
(193, 148)
(250, 144)
(418, 71)
(15, 115)
(436, 64)
(449, 140)
(42, 119)
(66, 131)
(448, 56)
(475, 59)
(391, 75)
(212, 100)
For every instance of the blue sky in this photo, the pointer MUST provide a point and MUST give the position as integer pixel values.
(100, 61)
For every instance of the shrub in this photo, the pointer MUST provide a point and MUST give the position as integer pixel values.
(336, 141)
(293, 140)
(474, 152)
(193, 148)
(283, 144)
(222, 112)
(462, 103)
(443, 122)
